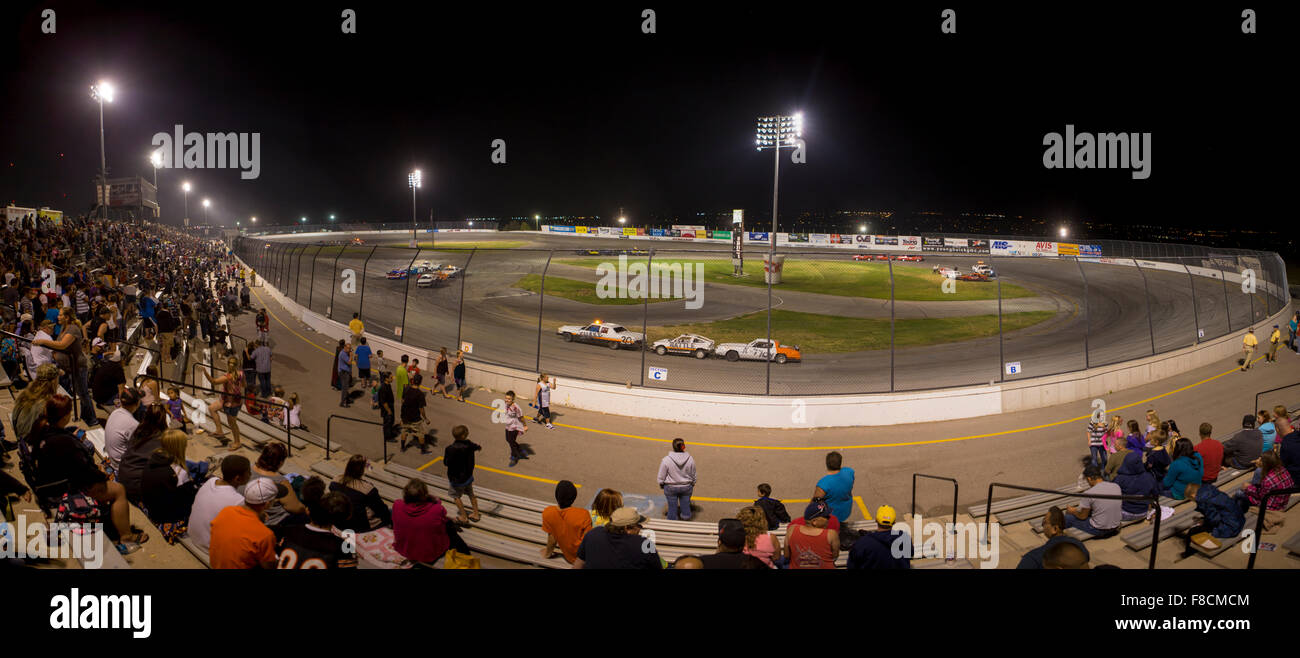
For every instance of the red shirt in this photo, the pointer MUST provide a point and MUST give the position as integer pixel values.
(240, 540)
(1211, 452)
(810, 551)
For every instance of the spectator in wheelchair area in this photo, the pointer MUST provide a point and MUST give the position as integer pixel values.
(1054, 530)
(1095, 516)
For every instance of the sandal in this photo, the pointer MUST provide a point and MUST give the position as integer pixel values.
(475, 517)
(137, 538)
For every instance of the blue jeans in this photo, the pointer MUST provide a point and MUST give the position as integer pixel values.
(678, 497)
(345, 386)
(264, 378)
(1098, 455)
(1072, 521)
(198, 470)
(81, 389)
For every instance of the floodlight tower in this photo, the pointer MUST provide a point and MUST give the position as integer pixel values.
(185, 187)
(102, 92)
(413, 179)
(775, 132)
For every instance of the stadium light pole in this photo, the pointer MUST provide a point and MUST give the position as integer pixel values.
(413, 180)
(156, 159)
(1065, 232)
(775, 132)
(206, 203)
(101, 92)
(186, 188)
(538, 220)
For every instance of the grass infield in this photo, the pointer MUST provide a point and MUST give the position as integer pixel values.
(578, 291)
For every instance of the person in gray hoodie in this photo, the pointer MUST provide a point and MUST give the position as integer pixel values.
(677, 479)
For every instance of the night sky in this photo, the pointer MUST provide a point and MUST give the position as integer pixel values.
(597, 115)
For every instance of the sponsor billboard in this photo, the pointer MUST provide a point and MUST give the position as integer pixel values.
(640, 231)
(1067, 249)
(580, 229)
(561, 229)
(1089, 250)
(720, 235)
(1044, 248)
(604, 230)
(657, 232)
(687, 227)
(685, 233)
(956, 245)
(758, 236)
(819, 238)
(797, 237)
(886, 241)
(673, 233)
(629, 231)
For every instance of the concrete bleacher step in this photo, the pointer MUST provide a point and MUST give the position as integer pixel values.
(1293, 544)
(1141, 539)
(248, 432)
(198, 553)
(1023, 501)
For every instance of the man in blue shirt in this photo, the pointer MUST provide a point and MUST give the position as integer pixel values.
(344, 366)
(363, 360)
(836, 487)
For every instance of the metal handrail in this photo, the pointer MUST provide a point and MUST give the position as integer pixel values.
(329, 424)
(1154, 499)
(1272, 390)
(1259, 521)
(936, 477)
(288, 436)
(76, 399)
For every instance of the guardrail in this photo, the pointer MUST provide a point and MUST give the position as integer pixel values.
(936, 477)
(1154, 499)
(329, 427)
(1272, 390)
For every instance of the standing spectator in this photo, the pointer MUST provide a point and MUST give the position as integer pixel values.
(334, 365)
(1275, 478)
(232, 393)
(262, 363)
(368, 510)
(1292, 328)
(1244, 447)
(421, 530)
(836, 487)
(1222, 518)
(363, 360)
(401, 377)
(357, 327)
(1248, 345)
(263, 322)
(1274, 339)
(886, 547)
(414, 418)
(564, 524)
(215, 495)
(1211, 452)
(812, 545)
(515, 425)
(677, 479)
(602, 508)
(458, 375)
(772, 508)
(459, 458)
(1097, 443)
(1054, 530)
(542, 394)
(440, 372)
(70, 355)
(239, 538)
(618, 545)
(1134, 480)
(345, 376)
(386, 402)
(1187, 467)
(759, 543)
(1096, 516)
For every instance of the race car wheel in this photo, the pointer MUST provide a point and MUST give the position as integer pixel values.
(614, 345)
(568, 338)
(661, 350)
(700, 354)
(780, 358)
(733, 355)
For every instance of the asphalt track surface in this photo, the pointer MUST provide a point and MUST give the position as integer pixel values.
(1108, 324)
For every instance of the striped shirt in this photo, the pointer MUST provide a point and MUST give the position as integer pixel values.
(1096, 434)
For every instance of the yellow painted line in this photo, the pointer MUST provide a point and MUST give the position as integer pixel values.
(743, 500)
(866, 514)
(309, 341)
(526, 477)
(435, 461)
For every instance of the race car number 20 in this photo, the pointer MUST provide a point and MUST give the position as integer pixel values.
(658, 374)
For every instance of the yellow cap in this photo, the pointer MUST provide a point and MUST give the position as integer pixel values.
(885, 515)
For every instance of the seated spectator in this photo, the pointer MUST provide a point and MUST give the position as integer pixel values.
(1187, 467)
(422, 532)
(1289, 450)
(1211, 452)
(1115, 461)
(30, 404)
(177, 443)
(1134, 480)
(109, 380)
(618, 545)
(91, 499)
(812, 544)
(688, 562)
(62, 454)
(1243, 448)
(286, 510)
(167, 501)
(146, 439)
(1157, 455)
(176, 408)
(836, 487)
(1054, 530)
(758, 541)
(240, 540)
(317, 544)
(217, 494)
(1222, 517)
(564, 524)
(773, 509)
(1096, 516)
(1275, 478)
(368, 510)
(1065, 556)
(602, 508)
(731, 549)
(887, 547)
(1267, 430)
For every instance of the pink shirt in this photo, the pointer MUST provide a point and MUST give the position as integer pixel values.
(763, 549)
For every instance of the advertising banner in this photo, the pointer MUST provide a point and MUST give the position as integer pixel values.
(629, 231)
(673, 233)
(819, 238)
(801, 238)
(688, 233)
(932, 244)
(720, 235)
(956, 245)
(758, 236)
(1089, 250)
(687, 227)
(640, 231)
(580, 229)
(657, 232)
(910, 242)
(1067, 249)
(886, 241)
(1044, 248)
(562, 229)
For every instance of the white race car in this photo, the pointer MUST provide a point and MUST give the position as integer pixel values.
(613, 335)
(946, 272)
(758, 349)
(430, 280)
(692, 344)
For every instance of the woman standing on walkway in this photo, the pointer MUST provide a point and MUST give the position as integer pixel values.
(515, 425)
(677, 479)
(232, 387)
(542, 395)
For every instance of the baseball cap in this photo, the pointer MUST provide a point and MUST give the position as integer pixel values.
(885, 515)
(625, 516)
(731, 532)
(817, 508)
(263, 490)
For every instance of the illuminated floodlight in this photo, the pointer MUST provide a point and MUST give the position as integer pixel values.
(156, 158)
(103, 92)
(1064, 232)
(413, 179)
(185, 186)
(206, 203)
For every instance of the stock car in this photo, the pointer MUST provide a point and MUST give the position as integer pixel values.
(981, 268)
(431, 279)
(758, 350)
(599, 333)
(911, 258)
(400, 273)
(861, 256)
(358, 241)
(972, 276)
(946, 272)
(692, 344)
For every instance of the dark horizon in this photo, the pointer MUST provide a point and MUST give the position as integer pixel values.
(597, 116)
